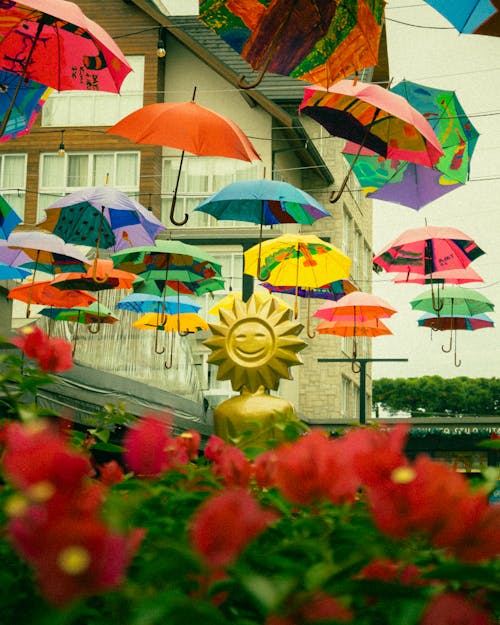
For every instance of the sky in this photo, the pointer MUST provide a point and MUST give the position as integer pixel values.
(438, 56)
(423, 47)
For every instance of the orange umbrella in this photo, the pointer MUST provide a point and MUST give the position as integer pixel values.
(189, 127)
(370, 328)
(101, 275)
(356, 306)
(47, 294)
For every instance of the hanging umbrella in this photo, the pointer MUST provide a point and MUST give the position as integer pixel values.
(155, 286)
(147, 303)
(227, 302)
(189, 127)
(12, 273)
(456, 300)
(47, 250)
(318, 41)
(55, 44)
(450, 276)
(9, 219)
(107, 278)
(47, 294)
(375, 118)
(25, 105)
(470, 16)
(369, 328)
(95, 313)
(183, 324)
(428, 249)
(103, 217)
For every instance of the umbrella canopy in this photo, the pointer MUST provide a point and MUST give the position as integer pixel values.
(227, 302)
(104, 217)
(332, 291)
(154, 286)
(107, 278)
(265, 202)
(369, 328)
(45, 293)
(55, 44)
(357, 306)
(12, 273)
(470, 16)
(184, 322)
(9, 219)
(458, 322)
(450, 276)
(317, 41)
(456, 300)
(146, 303)
(373, 117)
(25, 104)
(189, 127)
(94, 313)
(428, 249)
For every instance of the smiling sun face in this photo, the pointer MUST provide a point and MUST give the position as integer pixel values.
(255, 344)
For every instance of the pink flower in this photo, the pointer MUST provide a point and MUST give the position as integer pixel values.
(454, 609)
(110, 473)
(190, 441)
(225, 524)
(263, 469)
(233, 467)
(214, 447)
(145, 446)
(52, 354)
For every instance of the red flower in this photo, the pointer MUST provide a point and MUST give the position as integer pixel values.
(317, 607)
(225, 524)
(233, 467)
(145, 446)
(454, 609)
(38, 454)
(110, 473)
(52, 354)
(190, 441)
(214, 447)
(73, 557)
(263, 469)
(391, 571)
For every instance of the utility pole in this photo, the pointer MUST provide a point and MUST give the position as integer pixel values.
(362, 377)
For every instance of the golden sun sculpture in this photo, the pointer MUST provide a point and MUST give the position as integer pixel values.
(255, 344)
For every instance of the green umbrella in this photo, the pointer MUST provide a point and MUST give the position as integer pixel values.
(456, 300)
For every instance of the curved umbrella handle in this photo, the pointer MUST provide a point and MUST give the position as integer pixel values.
(168, 364)
(242, 84)
(97, 330)
(95, 277)
(173, 220)
(447, 350)
(310, 334)
(456, 362)
(355, 368)
(158, 351)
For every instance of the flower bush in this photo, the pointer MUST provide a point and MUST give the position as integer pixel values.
(316, 530)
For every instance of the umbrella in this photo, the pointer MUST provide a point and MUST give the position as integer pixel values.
(47, 250)
(47, 294)
(369, 328)
(9, 219)
(355, 309)
(146, 303)
(189, 127)
(102, 216)
(87, 315)
(25, 104)
(184, 323)
(470, 16)
(107, 278)
(227, 302)
(155, 286)
(12, 273)
(318, 41)
(301, 260)
(456, 300)
(375, 118)
(428, 249)
(55, 44)
(451, 276)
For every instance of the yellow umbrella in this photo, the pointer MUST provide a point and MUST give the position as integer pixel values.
(300, 260)
(261, 296)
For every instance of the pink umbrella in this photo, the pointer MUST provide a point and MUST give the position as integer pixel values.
(451, 276)
(357, 306)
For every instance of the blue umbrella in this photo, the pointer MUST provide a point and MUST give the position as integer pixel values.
(264, 202)
(12, 273)
(146, 303)
(9, 219)
(468, 16)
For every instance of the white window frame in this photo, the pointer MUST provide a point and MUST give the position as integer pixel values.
(97, 108)
(15, 196)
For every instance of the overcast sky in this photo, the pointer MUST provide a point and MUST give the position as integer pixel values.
(469, 65)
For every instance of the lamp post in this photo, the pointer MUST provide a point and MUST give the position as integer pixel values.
(362, 377)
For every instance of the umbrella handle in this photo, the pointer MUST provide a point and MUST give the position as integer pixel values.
(456, 362)
(96, 331)
(95, 278)
(335, 197)
(158, 351)
(355, 368)
(310, 334)
(173, 220)
(437, 304)
(242, 84)
(168, 364)
(447, 350)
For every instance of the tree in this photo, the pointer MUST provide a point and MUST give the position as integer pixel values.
(429, 395)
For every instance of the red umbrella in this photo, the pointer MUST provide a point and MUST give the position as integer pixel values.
(189, 127)
(46, 293)
(55, 44)
(451, 276)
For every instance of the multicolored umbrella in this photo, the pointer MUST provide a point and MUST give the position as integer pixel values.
(100, 276)
(227, 302)
(368, 328)
(103, 217)
(318, 41)
(25, 104)
(480, 17)
(9, 219)
(189, 127)
(451, 276)
(12, 273)
(304, 261)
(375, 118)
(156, 286)
(55, 44)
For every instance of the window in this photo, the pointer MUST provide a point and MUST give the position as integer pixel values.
(355, 401)
(347, 232)
(201, 177)
(13, 180)
(356, 269)
(345, 407)
(60, 175)
(91, 108)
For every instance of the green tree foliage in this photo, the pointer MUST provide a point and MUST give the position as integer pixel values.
(430, 395)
